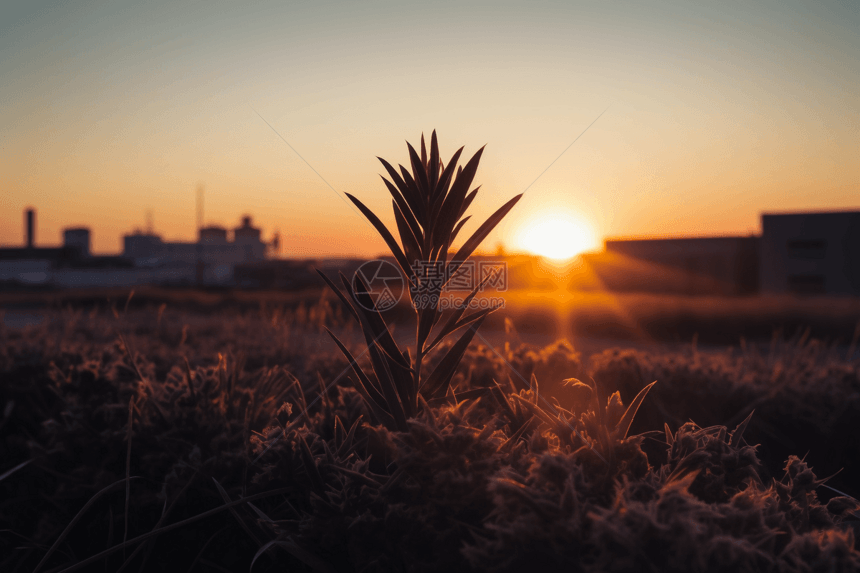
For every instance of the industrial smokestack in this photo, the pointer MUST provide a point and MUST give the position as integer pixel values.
(30, 216)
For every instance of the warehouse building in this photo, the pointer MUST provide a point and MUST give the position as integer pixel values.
(811, 253)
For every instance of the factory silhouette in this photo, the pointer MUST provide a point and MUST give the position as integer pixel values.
(212, 260)
(805, 253)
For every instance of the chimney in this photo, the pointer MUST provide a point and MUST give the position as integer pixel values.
(31, 228)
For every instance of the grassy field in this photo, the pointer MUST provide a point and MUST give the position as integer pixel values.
(223, 437)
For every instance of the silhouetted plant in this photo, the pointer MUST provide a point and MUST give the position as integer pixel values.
(429, 208)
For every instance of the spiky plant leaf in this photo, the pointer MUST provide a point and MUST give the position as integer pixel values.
(340, 295)
(391, 390)
(409, 192)
(739, 431)
(437, 383)
(387, 237)
(372, 397)
(448, 172)
(376, 328)
(406, 210)
(450, 208)
(411, 244)
(454, 323)
(434, 161)
(478, 236)
(456, 231)
(467, 202)
(419, 172)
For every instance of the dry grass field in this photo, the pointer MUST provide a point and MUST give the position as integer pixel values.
(158, 438)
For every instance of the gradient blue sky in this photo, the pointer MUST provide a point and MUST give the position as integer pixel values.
(716, 112)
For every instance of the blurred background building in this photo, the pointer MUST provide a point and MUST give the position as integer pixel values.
(796, 253)
(811, 253)
(145, 259)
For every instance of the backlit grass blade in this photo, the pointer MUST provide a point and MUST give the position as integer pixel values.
(459, 397)
(15, 469)
(739, 431)
(553, 423)
(626, 420)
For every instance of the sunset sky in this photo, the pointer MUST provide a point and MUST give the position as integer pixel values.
(717, 111)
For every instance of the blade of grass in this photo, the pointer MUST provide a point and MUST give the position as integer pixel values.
(15, 469)
(223, 493)
(75, 520)
(161, 520)
(156, 532)
(128, 468)
(205, 545)
(626, 420)
(303, 555)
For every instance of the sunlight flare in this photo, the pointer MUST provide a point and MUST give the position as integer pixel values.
(557, 236)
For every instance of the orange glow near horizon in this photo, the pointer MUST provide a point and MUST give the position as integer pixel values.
(714, 115)
(556, 236)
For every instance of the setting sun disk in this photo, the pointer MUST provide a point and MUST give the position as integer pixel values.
(557, 236)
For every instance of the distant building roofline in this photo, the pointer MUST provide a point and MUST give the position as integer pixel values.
(680, 238)
(808, 212)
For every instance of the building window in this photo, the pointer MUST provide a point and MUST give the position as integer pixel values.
(807, 248)
(806, 284)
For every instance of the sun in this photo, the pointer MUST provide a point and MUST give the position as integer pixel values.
(556, 236)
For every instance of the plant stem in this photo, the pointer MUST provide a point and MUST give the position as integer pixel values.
(419, 358)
